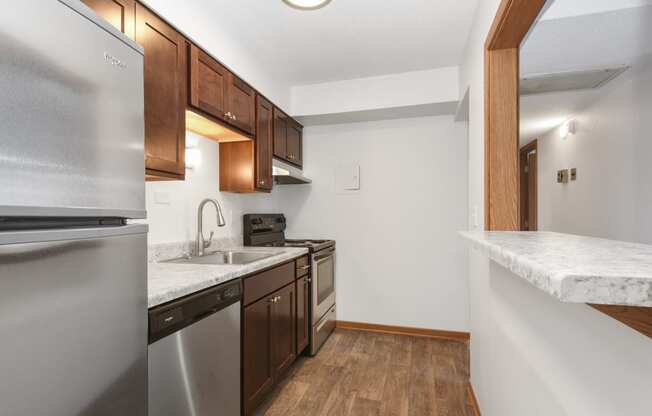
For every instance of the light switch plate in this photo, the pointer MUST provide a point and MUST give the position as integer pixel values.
(562, 176)
(573, 174)
(347, 177)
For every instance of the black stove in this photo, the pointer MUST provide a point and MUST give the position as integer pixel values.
(268, 230)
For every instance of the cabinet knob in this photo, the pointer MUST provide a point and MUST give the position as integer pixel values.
(262, 182)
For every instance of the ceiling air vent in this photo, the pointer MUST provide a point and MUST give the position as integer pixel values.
(568, 81)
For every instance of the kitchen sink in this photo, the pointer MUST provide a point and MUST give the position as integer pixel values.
(224, 257)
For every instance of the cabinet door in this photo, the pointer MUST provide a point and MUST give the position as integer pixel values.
(280, 133)
(241, 104)
(165, 94)
(283, 329)
(120, 13)
(294, 143)
(208, 84)
(258, 376)
(264, 133)
(303, 325)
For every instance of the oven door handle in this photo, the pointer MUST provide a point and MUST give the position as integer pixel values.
(321, 257)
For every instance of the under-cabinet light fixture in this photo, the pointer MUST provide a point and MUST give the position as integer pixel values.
(193, 154)
(307, 4)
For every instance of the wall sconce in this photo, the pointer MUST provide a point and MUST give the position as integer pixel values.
(567, 128)
(193, 154)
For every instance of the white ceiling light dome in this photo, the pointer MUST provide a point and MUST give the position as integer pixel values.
(307, 4)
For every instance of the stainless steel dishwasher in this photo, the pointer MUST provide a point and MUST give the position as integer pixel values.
(194, 354)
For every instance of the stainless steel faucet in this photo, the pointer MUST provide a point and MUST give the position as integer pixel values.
(201, 243)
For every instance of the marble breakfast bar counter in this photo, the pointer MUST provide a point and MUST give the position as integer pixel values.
(573, 268)
(170, 281)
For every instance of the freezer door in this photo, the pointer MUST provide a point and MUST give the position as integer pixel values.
(73, 323)
(71, 114)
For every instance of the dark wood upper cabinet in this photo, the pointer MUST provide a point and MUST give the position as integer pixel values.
(217, 92)
(209, 82)
(294, 141)
(284, 327)
(288, 137)
(264, 143)
(258, 375)
(280, 133)
(165, 95)
(120, 13)
(303, 325)
(241, 104)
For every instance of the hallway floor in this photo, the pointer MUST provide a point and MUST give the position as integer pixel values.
(363, 374)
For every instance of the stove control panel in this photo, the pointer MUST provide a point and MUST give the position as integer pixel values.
(263, 229)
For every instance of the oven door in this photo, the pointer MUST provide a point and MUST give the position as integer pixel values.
(323, 283)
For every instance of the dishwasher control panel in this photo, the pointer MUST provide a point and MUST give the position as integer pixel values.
(178, 314)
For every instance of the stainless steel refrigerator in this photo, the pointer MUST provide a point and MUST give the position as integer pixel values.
(73, 269)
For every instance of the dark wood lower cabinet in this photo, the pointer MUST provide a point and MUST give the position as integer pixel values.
(284, 329)
(303, 325)
(258, 377)
(269, 332)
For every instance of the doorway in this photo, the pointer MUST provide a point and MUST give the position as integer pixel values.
(529, 184)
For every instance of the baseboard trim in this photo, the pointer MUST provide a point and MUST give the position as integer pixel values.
(473, 401)
(404, 330)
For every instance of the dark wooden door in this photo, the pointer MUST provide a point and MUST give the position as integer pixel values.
(528, 187)
(264, 144)
(120, 13)
(294, 143)
(208, 84)
(258, 375)
(303, 325)
(283, 329)
(165, 94)
(280, 134)
(241, 104)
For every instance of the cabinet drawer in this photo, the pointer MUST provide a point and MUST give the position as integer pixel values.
(303, 266)
(259, 285)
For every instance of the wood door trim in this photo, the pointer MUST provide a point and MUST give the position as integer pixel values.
(638, 318)
(472, 400)
(404, 330)
(512, 22)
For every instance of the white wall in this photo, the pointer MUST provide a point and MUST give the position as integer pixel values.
(399, 261)
(530, 354)
(177, 220)
(388, 91)
(611, 197)
(190, 18)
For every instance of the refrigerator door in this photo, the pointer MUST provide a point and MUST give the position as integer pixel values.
(73, 322)
(72, 139)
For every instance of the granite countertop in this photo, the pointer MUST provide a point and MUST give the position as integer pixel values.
(573, 268)
(170, 281)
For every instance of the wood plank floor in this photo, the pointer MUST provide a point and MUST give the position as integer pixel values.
(366, 374)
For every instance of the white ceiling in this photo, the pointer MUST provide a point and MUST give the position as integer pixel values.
(576, 35)
(348, 38)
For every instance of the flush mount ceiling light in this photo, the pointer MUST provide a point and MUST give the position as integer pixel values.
(306, 4)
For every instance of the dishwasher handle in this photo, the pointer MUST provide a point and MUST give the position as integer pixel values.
(173, 316)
